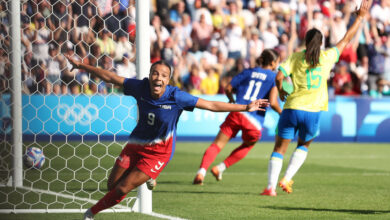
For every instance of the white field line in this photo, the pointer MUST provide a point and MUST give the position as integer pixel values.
(117, 209)
(165, 216)
(265, 173)
(365, 157)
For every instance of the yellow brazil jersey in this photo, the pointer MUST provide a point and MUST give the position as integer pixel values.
(310, 84)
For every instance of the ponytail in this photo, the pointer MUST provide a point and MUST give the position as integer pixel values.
(313, 40)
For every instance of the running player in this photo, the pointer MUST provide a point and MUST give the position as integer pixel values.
(251, 84)
(152, 141)
(309, 70)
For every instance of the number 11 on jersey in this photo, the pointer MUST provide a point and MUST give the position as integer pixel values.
(248, 93)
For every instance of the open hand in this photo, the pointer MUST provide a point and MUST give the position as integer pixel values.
(364, 8)
(257, 105)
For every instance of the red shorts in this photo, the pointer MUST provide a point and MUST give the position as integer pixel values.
(150, 159)
(237, 121)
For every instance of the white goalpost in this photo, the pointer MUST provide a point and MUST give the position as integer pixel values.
(81, 135)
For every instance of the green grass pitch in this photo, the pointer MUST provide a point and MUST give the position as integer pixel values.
(337, 181)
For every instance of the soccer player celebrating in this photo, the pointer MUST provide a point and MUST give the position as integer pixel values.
(309, 70)
(251, 84)
(151, 143)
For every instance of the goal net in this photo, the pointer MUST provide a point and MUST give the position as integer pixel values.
(79, 122)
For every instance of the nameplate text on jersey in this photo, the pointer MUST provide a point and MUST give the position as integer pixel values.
(258, 75)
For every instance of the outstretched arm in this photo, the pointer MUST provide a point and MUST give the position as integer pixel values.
(364, 7)
(215, 106)
(103, 74)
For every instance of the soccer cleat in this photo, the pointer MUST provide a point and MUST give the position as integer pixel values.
(198, 179)
(286, 185)
(216, 173)
(151, 184)
(268, 192)
(88, 215)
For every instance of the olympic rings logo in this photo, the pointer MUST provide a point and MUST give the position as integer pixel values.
(77, 113)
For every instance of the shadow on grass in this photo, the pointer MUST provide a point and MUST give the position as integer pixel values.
(353, 211)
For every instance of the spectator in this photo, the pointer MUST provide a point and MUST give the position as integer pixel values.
(270, 36)
(211, 54)
(116, 22)
(234, 14)
(176, 13)
(84, 13)
(210, 84)
(40, 46)
(126, 68)
(96, 85)
(376, 54)
(194, 80)
(341, 77)
(219, 18)
(68, 77)
(234, 40)
(123, 46)
(201, 32)
(381, 12)
(182, 33)
(254, 46)
(53, 71)
(158, 31)
(106, 43)
(382, 86)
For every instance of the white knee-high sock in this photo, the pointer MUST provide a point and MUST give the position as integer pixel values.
(274, 167)
(296, 161)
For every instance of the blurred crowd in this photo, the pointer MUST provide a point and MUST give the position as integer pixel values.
(206, 41)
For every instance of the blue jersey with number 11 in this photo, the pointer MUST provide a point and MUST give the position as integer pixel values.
(253, 84)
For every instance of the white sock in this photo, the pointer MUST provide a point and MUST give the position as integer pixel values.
(296, 161)
(202, 171)
(274, 167)
(221, 167)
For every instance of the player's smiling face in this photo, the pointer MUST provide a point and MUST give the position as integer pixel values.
(158, 80)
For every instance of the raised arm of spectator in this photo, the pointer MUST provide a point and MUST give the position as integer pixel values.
(293, 34)
(105, 75)
(347, 11)
(355, 41)
(309, 5)
(364, 9)
(25, 42)
(70, 17)
(374, 31)
(332, 11)
(157, 28)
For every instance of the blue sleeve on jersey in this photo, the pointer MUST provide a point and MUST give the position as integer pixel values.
(185, 100)
(132, 86)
